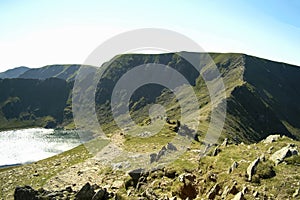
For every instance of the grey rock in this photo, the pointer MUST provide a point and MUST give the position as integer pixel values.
(86, 192)
(239, 196)
(213, 191)
(233, 166)
(271, 138)
(216, 151)
(262, 158)
(225, 192)
(69, 189)
(229, 190)
(283, 153)
(161, 153)
(171, 147)
(244, 190)
(25, 193)
(255, 194)
(225, 142)
(296, 193)
(136, 174)
(153, 157)
(251, 169)
(270, 150)
(117, 184)
(186, 176)
(100, 194)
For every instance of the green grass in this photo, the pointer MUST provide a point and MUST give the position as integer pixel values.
(47, 168)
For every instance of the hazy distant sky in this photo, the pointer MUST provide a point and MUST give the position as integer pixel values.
(37, 33)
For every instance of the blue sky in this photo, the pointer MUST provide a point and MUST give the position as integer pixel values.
(37, 33)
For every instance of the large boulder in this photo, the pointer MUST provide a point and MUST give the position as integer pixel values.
(85, 193)
(25, 193)
(283, 153)
(271, 138)
(251, 168)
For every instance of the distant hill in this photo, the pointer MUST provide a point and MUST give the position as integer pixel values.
(14, 73)
(65, 72)
(262, 95)
(28, 102)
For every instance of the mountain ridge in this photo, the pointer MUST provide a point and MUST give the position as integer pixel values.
(14, 73)
(245, 77)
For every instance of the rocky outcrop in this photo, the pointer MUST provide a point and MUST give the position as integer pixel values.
(164, 150)
(271, 138)
(296, 193)
(239, 196)
(283, 153)
(270, 150)
(87, 192)
(225, 142)
(25, 193)
(233, 166)
(213, 191)
(216, 151)
(229, 190)
(251, 169)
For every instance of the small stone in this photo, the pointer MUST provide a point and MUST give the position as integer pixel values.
(245, 189)
(296, 193)
(171, 147)
(213, 191)
(233, 166)
(262, 157)
(270, 150)
(225, 142)
(153, 157)
(255, 194)
(100, 194)
(69, 189)
(216, 151)
(239, 196)
(129, 193)
(117, 184)
(36, 174)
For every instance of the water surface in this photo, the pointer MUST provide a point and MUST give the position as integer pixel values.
(30, 145)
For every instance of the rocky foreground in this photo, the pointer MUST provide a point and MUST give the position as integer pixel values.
(269, 169)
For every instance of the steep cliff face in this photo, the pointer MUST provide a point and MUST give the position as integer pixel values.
(267, 101)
